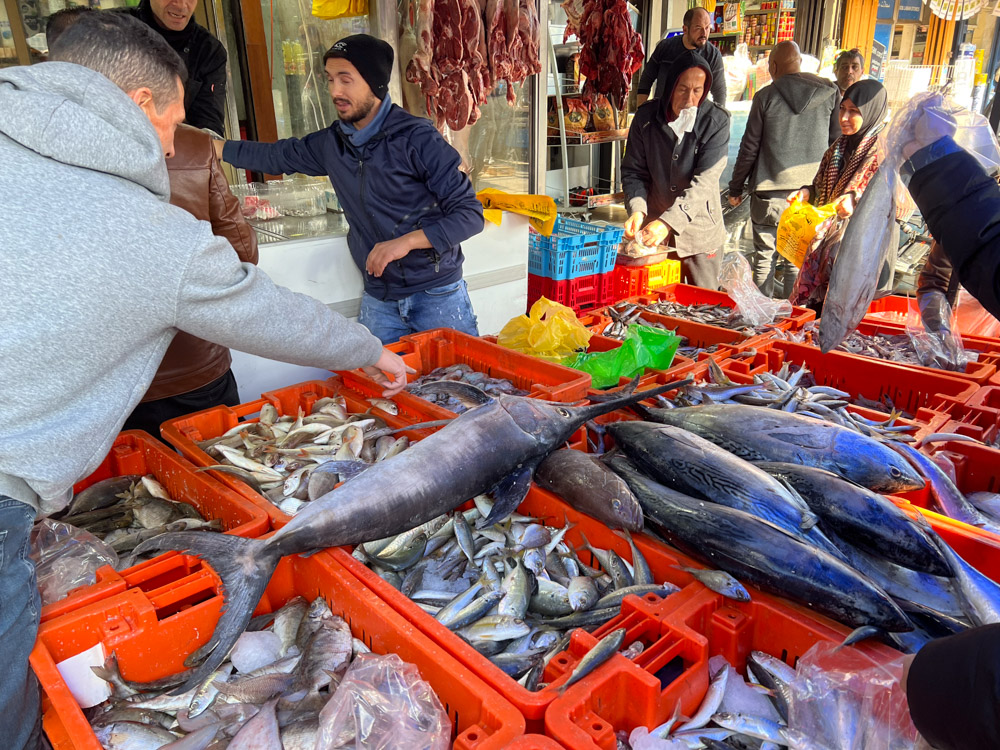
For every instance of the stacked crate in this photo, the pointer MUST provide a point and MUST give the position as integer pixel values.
(574, 266)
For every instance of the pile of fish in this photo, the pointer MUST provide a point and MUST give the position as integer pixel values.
(513, 591)
(460, 373)
(895, 348)
(125, 511)
(733, 714)
(720, 316)
(269, 693)
(292, 460)
(790, 504)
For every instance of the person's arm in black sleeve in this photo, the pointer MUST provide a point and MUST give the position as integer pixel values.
(718, 79)
(288, 156)
(636, 176)
(650, 72)
(953, 689)
(749, 148)
(207, 110)
(961, 205)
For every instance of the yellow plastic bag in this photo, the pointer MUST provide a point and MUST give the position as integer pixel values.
(797, 228)
(540, 209)
(550, 331)
(330, 9)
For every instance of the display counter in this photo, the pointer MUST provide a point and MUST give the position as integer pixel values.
(496, 270)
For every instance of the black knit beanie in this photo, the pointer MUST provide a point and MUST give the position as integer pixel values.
(371, 56)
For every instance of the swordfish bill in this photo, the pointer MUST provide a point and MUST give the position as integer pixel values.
(494, 447)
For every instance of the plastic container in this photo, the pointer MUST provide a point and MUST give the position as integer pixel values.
(532, 705)
(136, 452)
(574, 249)
(633, 280)
(894, 310)
(694, 295)
(978, 418)
(534, 742)
(580, 294)
(152, 632)
(184, 433)
(443, 347)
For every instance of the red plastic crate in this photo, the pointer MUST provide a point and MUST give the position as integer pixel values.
(532, 705)
(136, 452)
(443, 347)
(184, 433)
(580, 294)
(892, 310)
(534, 742)
(152, 632)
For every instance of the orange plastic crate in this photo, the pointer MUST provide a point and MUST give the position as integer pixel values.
(633, 280)
(659, 645)
(443, 347)
(893, 310)
(694, 295)
(184, 433)
(136, 452)
(152, 632)
(534, 742)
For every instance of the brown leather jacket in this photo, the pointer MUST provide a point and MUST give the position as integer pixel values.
(199, 186)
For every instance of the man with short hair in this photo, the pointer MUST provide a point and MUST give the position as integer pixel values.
(408, 204)
(848, 67)
(100, 272)
(61, 20)
(203, 56)
(697, 26)
(791, 124)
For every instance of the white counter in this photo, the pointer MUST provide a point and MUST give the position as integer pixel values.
(496, 270)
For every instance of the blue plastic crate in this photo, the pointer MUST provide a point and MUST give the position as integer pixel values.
(575, 249)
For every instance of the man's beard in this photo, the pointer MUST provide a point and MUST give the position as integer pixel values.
(363, 110)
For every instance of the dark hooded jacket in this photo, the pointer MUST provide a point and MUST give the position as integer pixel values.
(791, 124)
(678, 183)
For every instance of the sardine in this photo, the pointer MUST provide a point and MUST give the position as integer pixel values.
(603, 650)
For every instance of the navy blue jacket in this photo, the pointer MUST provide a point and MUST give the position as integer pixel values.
(405, 178)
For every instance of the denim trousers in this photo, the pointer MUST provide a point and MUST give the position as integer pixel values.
(20, 606)
(445, 306)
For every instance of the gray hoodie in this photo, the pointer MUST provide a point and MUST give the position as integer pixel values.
(99, 273)
(791, 124)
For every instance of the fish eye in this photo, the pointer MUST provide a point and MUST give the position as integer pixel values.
(562, 412)
(894, 472)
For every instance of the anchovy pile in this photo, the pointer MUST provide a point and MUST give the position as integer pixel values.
(514, 592)
(714, 315)
(125, 511)
(790, 504)
(462, 373)
(894, 348)
(733, 714)
(292, 460)
(268, 694)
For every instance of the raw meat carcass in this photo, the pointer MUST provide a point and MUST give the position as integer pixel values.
(611, 50)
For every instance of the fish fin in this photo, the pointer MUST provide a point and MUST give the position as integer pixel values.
(625, 390)
(507, 494)
(453, 388)
(245, 567)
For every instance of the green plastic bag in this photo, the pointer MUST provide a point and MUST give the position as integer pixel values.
(643, 347)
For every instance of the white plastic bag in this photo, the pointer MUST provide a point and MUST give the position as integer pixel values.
(756, 308)
(383, 703)
(933, 334)
(66, 557)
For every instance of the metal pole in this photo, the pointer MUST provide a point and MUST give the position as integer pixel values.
(562, 122)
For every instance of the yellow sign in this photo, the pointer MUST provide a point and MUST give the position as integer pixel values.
(540, 209)
(329, 9)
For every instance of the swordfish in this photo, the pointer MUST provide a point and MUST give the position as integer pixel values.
(494, 447)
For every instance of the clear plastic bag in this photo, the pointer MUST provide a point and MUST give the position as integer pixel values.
(932, 334)
(842, 701)
(66, 557)
(383, 703)
(737, 69)
(757, 309)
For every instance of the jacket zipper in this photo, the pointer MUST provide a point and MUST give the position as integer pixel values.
(364, 208)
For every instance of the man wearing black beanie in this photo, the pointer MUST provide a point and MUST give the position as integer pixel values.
(408, 204)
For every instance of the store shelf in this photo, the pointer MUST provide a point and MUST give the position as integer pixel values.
(763, 12)
(588, 138)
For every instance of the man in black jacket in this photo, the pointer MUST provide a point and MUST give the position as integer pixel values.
(203, 55)
(697, 27)
(791, 123)
(408, 204)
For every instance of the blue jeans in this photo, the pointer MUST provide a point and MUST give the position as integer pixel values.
(445, 306)
(20, 605)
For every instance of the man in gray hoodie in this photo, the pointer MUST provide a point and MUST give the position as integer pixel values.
(100, 272)
(791, 124)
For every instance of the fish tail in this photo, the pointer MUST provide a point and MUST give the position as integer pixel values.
(245, 567)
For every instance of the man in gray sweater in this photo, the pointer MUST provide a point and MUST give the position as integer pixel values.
(791, 124)
(100, 272)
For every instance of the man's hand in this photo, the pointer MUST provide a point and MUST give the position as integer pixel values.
(390, 371)
(655, 233)
(801, 195)
(929, 123)
(219, 144)
(844, 205)
(633, 224)
(385, 253)
(735, 200)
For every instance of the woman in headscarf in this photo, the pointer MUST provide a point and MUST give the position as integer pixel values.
(844, 172)
(675, 154)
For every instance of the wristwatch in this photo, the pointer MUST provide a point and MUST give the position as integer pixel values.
(941, 147)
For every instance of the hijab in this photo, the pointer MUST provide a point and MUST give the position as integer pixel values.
(871, 98)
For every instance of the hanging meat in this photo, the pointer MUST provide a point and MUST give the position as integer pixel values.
(611, 50)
